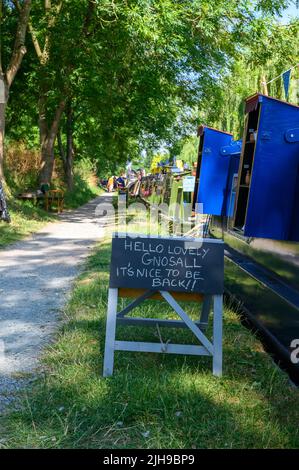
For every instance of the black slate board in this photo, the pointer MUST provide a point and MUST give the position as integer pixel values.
(170, 264)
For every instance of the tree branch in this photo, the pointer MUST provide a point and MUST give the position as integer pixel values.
(43, 54)
(32, 33)
(19, 49)
(90, 12)
(51, 23)
(35, 42)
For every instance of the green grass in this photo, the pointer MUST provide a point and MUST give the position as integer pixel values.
(25, 219)
(82, 193)
(152, 400)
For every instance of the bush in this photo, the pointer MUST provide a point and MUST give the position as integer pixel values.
(85, 169)
(21, 166)
(85, 184)
(22, 171)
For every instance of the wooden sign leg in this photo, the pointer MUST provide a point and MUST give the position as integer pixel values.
(110, 333)
(217, 336)
(205, 310)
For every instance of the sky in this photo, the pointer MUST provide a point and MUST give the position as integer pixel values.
(291, 12)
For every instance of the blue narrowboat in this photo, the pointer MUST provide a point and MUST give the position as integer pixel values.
(267, 200)
(218, 164)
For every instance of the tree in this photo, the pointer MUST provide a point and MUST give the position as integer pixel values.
(59, 37)
(148, 64)
(14, 60)
(272, 49)
(67, 152)
(116, 77)
(49, 119)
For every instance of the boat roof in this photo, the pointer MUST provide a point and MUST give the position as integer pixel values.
(202, 127)
(252, 101)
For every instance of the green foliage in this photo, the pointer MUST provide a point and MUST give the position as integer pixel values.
(272, 50)
(139, 73)
(189, 149)
(84, 185)
(84, 168)
(19, 183)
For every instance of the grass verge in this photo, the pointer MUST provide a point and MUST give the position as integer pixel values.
(25, 219)
(152, 401)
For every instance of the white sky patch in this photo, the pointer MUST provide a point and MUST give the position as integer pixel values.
(290, 13)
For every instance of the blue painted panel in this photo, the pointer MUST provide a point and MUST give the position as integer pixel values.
(220, 160)
(295, 217)
(229, 199)
(273, 182)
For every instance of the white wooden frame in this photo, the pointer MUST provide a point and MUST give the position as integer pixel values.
(206, 347)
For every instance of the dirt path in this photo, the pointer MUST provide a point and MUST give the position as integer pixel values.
(36, 277)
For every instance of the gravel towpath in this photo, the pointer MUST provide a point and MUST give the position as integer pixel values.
(36, 276)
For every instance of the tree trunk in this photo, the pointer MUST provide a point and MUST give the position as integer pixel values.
(69, 148)
(2, 130)
(67, 154)
(47, 161)
(7, 77)
(61, 150)
(3, 101)
(47, 140)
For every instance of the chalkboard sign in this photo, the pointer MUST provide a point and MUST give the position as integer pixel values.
(170, 264)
